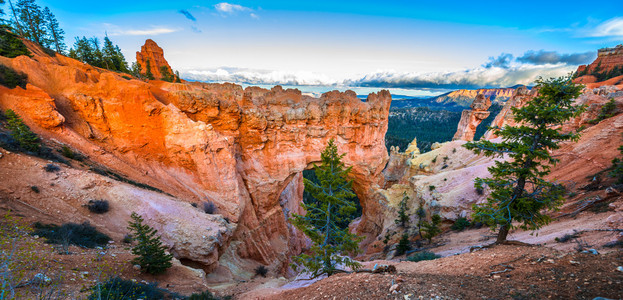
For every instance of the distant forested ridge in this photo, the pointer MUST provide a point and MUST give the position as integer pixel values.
(428, 125)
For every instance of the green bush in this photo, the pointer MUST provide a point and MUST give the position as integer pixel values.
(424, 255)
(25, 138)
(83, 235)
(403, 245)
(460, 224)
(11, 78)
(151, 253)
(120, 289)
(207, 295)
(11, 46)
(607, 111)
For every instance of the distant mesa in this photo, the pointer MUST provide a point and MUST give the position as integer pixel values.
(607, 66)
(151, 54)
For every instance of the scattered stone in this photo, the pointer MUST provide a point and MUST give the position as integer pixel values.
(573, 262)
(136, 267)
(620, 268)
(591, 251)
(41, 279)
(393, 288)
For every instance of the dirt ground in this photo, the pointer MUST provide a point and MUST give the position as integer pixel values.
(531, 273)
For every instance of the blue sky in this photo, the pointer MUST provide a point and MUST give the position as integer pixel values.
(416, 45)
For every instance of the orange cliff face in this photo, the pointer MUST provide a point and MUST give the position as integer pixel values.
(155, 55)
(471, 118)
(607, 59)
(242, 149)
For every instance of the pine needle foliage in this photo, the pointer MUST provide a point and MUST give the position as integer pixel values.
(403, 217)
(518, 191)
(26, 139)
(330, 243)
(151, 253)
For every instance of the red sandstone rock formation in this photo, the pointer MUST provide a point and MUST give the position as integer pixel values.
(242, 149)
(505, 117)
(155, 55)
(607, 59)
(470, 119)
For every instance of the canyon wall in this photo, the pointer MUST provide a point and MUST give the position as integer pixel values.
(241, 149)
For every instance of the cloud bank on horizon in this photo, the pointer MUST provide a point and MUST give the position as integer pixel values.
(502, 71)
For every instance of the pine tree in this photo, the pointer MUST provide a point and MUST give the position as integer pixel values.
(617, 167)
(32, 21)
(148, 74)
(135, 70)
(431, 229)
(518, 190)
(403, 245)
(151, 253)
(56, 34)
(26, 139)
(177, 77)
(1, 13)
(330, 242)
(421, 214)
(403, 217)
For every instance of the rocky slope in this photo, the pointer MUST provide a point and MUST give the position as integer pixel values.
(241, 149)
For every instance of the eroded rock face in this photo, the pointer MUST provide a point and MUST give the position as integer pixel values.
(155, 55)
(505, 117)
(241, 149)
(470, 119)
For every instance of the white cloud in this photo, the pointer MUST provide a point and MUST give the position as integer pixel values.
(228, 8)
(116, 31)
(609, 28)
(262, 77)
(225, 9)
(470, 78)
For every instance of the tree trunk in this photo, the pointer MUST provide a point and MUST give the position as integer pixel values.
(502, 234)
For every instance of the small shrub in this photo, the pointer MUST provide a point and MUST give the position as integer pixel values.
(207, 295)
(209, 207)
(127, 239)
(607, 111)
(126, 77)
(35, 189)
(480, 191)
(98, 206)
(431, 187)
(83, 235)
(434, 160)
(193, 204)
(117, 288)
(614, 244)
(67, 152)
(565, 238)
(460, 224)
(403, 244)
(51, 168)
(261, 271)
(424, 255)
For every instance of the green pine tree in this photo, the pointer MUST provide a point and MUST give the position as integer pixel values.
(151, 253)
(518, 190)
(148, 74)
(404, 244)
(421, 214)
(26, 139)
(617, 167)
(55, 33)
(330, 242)
(431, 229)
(403, 217)
(31, 19)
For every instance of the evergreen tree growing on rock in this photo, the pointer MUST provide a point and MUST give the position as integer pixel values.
(22, 134)
(152, 256)
(518, 191)
(403, 217)
(330, 242)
